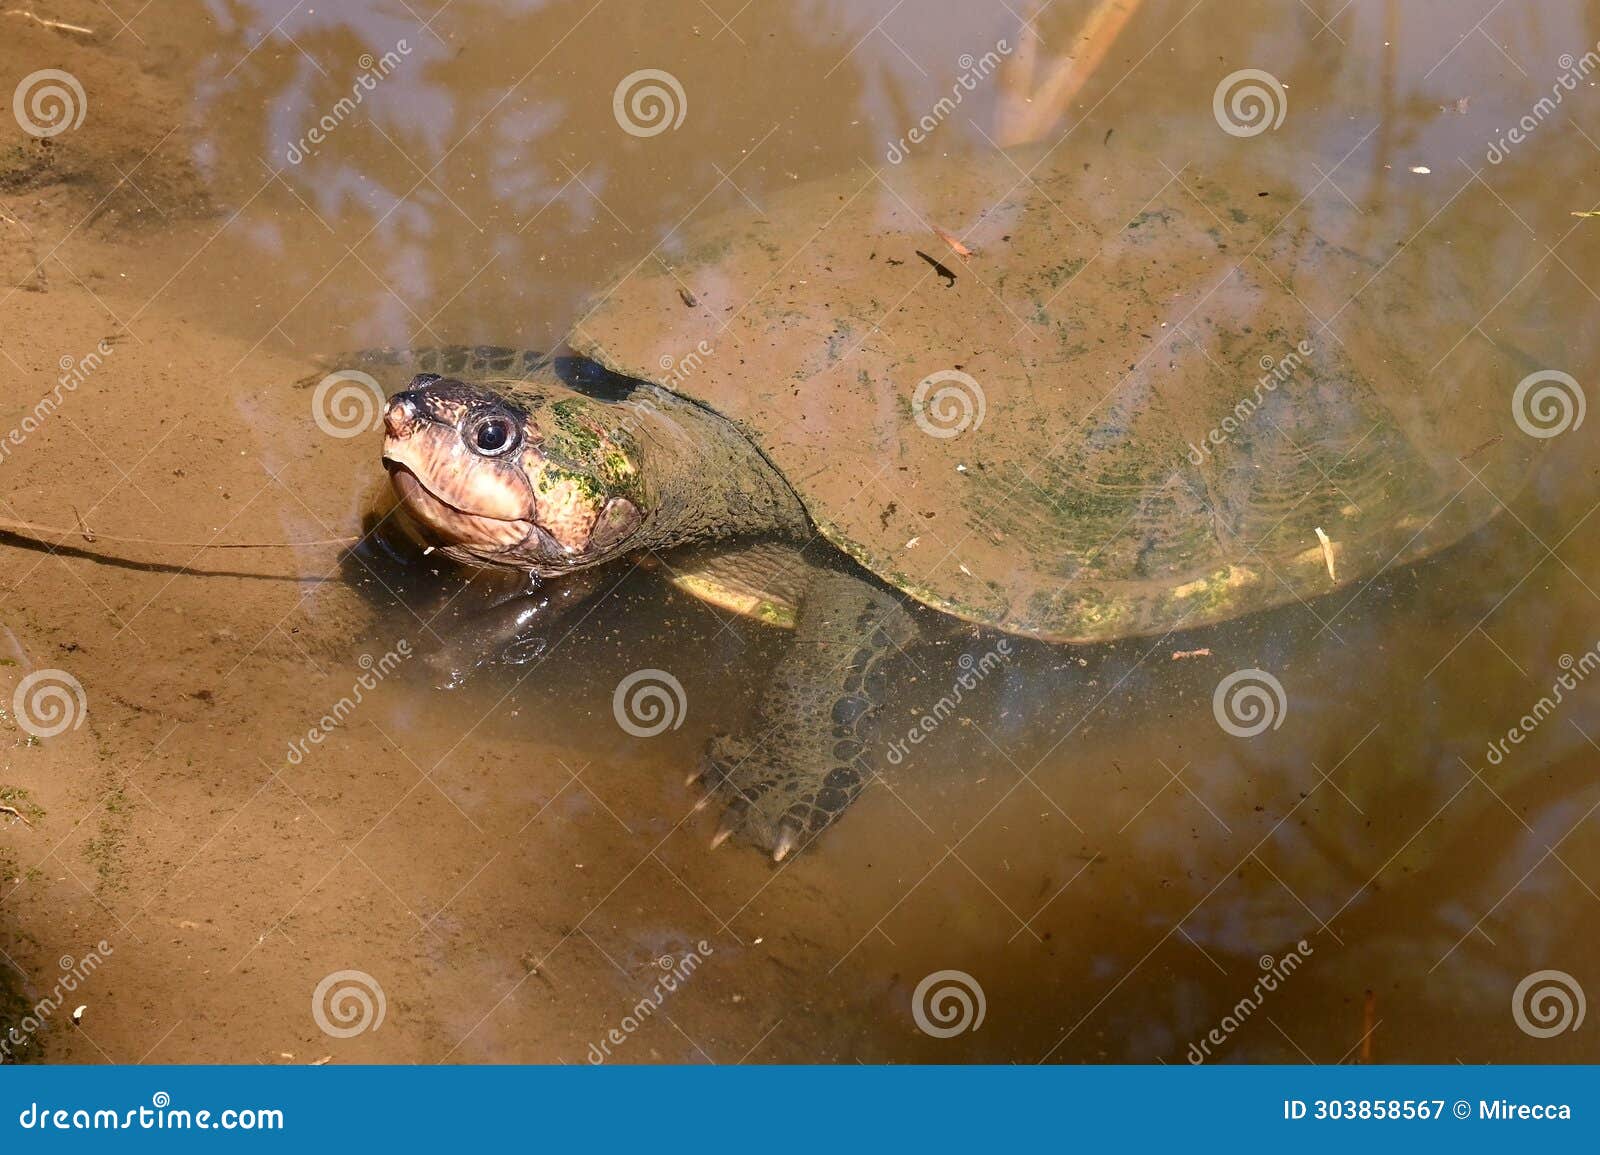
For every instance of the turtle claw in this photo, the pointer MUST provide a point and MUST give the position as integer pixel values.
(788, 839)
(732, 821)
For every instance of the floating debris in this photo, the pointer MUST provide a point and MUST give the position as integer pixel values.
(1327, 554)
(1495, 440)
(953, 241)
(44, 22)
(1202, 652)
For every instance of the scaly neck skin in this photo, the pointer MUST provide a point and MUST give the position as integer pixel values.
(710, 482)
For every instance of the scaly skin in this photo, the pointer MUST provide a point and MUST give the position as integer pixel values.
(803, 758)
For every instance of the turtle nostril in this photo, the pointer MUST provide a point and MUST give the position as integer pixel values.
(401, 414)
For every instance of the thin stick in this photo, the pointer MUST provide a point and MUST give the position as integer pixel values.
(15, 813)
(33, 527)
(56, 24)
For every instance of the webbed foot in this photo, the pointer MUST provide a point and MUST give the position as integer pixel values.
(805, 757)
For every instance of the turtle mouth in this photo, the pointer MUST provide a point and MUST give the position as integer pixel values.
(451, 523)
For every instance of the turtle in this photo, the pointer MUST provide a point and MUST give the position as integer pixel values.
(1072, 405)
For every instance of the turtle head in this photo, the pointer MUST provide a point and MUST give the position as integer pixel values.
(537, 477)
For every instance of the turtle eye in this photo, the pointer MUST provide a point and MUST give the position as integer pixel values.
(493, 436)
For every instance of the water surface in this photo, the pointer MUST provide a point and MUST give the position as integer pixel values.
(1112, 868)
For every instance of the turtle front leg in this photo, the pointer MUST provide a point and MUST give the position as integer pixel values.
(805, 755)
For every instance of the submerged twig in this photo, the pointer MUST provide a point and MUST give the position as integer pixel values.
(88, 535)
(58, 25)
(52, 539)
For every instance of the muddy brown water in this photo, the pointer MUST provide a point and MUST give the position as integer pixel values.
(1114, 874)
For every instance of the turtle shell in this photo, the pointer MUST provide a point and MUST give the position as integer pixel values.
(1084, 401)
